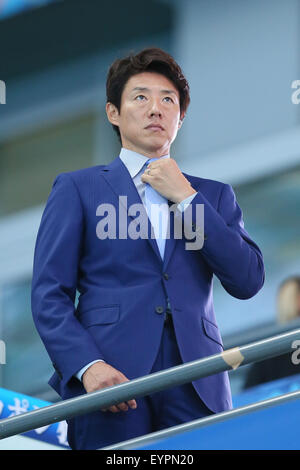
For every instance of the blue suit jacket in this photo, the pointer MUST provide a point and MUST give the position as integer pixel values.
(123, 284)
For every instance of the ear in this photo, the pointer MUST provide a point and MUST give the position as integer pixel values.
(181, 120)
(112, 113)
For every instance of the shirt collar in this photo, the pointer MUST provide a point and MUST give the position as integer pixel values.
(134, 161)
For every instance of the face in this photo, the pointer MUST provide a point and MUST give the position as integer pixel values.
(149, 116)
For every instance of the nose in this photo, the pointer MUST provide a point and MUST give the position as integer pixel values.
(154, 108)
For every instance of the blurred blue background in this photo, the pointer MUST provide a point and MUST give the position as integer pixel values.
(242, 128)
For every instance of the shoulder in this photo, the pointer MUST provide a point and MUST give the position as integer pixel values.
(205, 183)
(216, 192)
(80, 176)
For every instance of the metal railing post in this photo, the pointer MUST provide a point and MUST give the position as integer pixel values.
(188, 372)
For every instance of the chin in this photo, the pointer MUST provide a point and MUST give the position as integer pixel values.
(157, 143)
(158, 148)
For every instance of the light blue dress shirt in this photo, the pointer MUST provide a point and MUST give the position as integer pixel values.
(134, 163)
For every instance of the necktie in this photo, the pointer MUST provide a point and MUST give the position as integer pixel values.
(158, 213)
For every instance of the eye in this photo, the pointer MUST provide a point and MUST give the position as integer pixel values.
(169, 99)
(140, 97)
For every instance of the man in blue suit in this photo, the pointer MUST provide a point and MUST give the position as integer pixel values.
(145, 302)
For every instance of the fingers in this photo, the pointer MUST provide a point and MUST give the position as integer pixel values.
(122, 406)
(116, 408)
(101, 375)
(148, 178)
(132, 404)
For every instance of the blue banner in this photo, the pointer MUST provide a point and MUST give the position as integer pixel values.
(267, 390)
(13, 404)
(274, 428)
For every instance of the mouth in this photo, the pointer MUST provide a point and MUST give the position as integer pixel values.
(155, 127)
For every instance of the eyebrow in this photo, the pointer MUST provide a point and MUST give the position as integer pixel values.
(138, 88)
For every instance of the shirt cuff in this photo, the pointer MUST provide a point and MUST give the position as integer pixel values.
(183, 204)
(82, 371)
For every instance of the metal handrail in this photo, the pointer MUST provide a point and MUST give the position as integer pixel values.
(188, 372)
(153, 437)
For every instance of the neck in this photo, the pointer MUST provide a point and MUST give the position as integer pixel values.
(150, 154)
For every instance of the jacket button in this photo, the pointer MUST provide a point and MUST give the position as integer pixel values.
(159, 309)
(166, 276)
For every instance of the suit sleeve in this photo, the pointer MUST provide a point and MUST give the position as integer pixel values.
(228, 249)
(54, 281)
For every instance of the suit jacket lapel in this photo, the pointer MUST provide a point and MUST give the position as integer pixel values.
(170, 242)
(121, 183)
